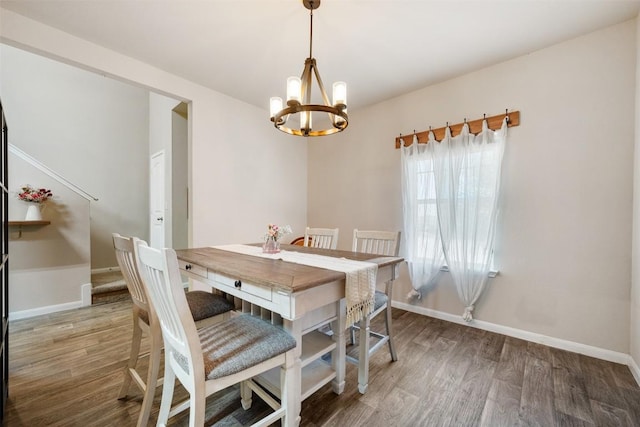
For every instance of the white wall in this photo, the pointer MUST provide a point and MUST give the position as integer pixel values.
(635, 286)
(244, 174)
(48, 264)
(565, 246)
(179, 180)
(91, 130)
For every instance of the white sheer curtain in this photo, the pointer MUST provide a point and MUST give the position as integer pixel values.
(421, 236)
(464, 184)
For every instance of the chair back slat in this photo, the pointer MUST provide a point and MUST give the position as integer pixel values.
(161, 276)
(376, 242)
(126, 261)
(324, 238)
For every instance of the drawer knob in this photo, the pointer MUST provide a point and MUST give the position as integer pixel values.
(237, 283)
(187, 267)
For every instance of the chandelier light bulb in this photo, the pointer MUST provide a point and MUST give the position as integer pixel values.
(306, 122)
(275, 105)
(339, 93)
(294, 89)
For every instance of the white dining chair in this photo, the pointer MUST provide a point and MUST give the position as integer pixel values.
(324, 238)
(385, 243)
(215, 357)
(205, 307)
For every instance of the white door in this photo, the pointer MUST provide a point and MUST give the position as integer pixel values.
(156, 200)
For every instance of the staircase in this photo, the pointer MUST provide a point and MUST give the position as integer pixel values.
(108, 287)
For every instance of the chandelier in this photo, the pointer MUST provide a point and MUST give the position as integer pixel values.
(297, 117)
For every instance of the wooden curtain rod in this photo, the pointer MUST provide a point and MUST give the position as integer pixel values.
(475, 126)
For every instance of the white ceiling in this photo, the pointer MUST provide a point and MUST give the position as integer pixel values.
(381, 48)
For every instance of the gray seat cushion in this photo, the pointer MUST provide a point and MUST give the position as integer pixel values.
(202, 305)
(380, 300)
(240, 343)
(206, 304)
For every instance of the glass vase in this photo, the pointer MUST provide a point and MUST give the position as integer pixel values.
(271, 246)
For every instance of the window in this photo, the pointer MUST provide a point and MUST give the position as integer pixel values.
(450, 196)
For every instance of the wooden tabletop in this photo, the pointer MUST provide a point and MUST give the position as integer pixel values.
(288, 276)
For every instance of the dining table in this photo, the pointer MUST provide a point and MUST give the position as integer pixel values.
(307, 301)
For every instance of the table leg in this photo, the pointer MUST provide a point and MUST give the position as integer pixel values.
(363, 357)
(294, 392)
(338, 356)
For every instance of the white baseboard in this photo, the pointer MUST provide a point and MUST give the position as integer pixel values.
(633, 366)
(25, 314)
(85, 300)
(587, 350)
(104, 270)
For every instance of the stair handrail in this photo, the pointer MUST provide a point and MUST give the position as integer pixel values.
(44, 168)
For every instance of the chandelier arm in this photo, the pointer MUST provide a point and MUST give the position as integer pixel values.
(309, 64)
(305, 117)
(323, 92)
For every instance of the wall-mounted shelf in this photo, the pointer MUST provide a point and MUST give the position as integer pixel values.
(22, 224)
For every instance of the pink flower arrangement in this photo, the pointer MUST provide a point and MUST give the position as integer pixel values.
(33, 195)
(276, 232)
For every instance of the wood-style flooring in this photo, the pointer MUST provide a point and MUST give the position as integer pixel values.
(66, 370)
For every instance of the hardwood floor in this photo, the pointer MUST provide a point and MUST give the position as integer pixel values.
(66, 369)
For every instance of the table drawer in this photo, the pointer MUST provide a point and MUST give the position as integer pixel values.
(192, 268)
(249, 288)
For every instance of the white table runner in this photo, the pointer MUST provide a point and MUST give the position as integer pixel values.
(360, 283)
